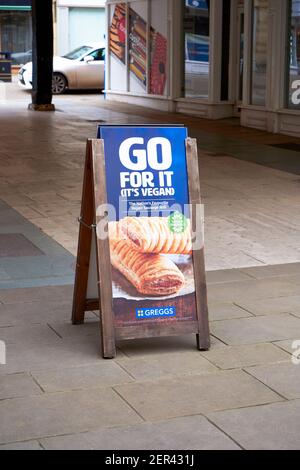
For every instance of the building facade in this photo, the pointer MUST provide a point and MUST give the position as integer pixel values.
(211, 58)
(79, 22)
(15, 28)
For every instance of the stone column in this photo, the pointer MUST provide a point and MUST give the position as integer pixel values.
(42, 50)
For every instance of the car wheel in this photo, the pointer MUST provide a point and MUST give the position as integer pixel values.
(59, 84)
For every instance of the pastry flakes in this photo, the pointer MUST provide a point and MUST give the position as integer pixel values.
(151, 274)
(153, 235)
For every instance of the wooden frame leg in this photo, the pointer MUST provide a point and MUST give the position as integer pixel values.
(203, 337)
(103, 255)
(84, 243)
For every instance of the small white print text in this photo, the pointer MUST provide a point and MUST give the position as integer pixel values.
(157, 459)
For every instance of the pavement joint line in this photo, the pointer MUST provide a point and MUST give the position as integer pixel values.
(219, 339)
(13, 398)
(54, 331)
(202, 353)
(128, 404)
(217, 320)
(125, 370)
(267, 386)
(19, 442)
(37, 382)
(240, 270)
(224, 432)
(40, 445)
(267, 315)
(124, 352)
(293, 314)
(222, 410)
(279, 347)
(251, 256)
(38, 439)
(244, 308)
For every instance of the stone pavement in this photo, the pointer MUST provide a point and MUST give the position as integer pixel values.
(55, 390)
(249, 208)
(28, 257)
(57, 393)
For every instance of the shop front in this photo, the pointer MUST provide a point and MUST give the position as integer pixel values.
(79, 22)
(271, 99)
(16, 29)
(211, 58)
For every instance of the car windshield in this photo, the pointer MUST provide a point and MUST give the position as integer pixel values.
(78, 53)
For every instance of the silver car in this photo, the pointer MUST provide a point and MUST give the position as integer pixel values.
(81, 69)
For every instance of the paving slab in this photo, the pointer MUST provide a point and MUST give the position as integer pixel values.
(167, 365)
(18, 386)
(238, 292)
(226, 275)
(33, 282)
(163, 399)
(263, 272)
(227, 311)
(28, 254)
(283, 378)
(257, 329)
(38, 267)
(174, 434)
(16, 245)
(69, 331)
(4, 276)
(29, 335)
(290, 346)
(159, 346)
(29, 445)
(37, 313)
(47, 294)
(237, 357)
(274, 306)
(62, 413)
(63, 354)
(86, 377)
(270, 427)
(39, 172)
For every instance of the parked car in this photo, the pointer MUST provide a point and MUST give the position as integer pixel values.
(20, 58)
(81, 69)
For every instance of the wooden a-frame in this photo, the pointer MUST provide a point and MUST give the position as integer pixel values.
(94, 195)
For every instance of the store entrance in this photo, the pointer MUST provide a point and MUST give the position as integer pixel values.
(240, 57)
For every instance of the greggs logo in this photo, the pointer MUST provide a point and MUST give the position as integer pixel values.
(159, 312)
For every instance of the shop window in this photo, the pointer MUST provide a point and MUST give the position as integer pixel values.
(139, 47)
(16, 34)
(225, 49)
(196, 41)
(86, 25)
(259, 52)
(158, 48)
(294, 55)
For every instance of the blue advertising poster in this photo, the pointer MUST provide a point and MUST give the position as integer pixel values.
(149, 228)
(202, 4)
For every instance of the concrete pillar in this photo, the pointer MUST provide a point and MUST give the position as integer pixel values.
(42, 22)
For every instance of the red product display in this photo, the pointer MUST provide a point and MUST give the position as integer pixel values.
(118, 32)
(159, 64)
